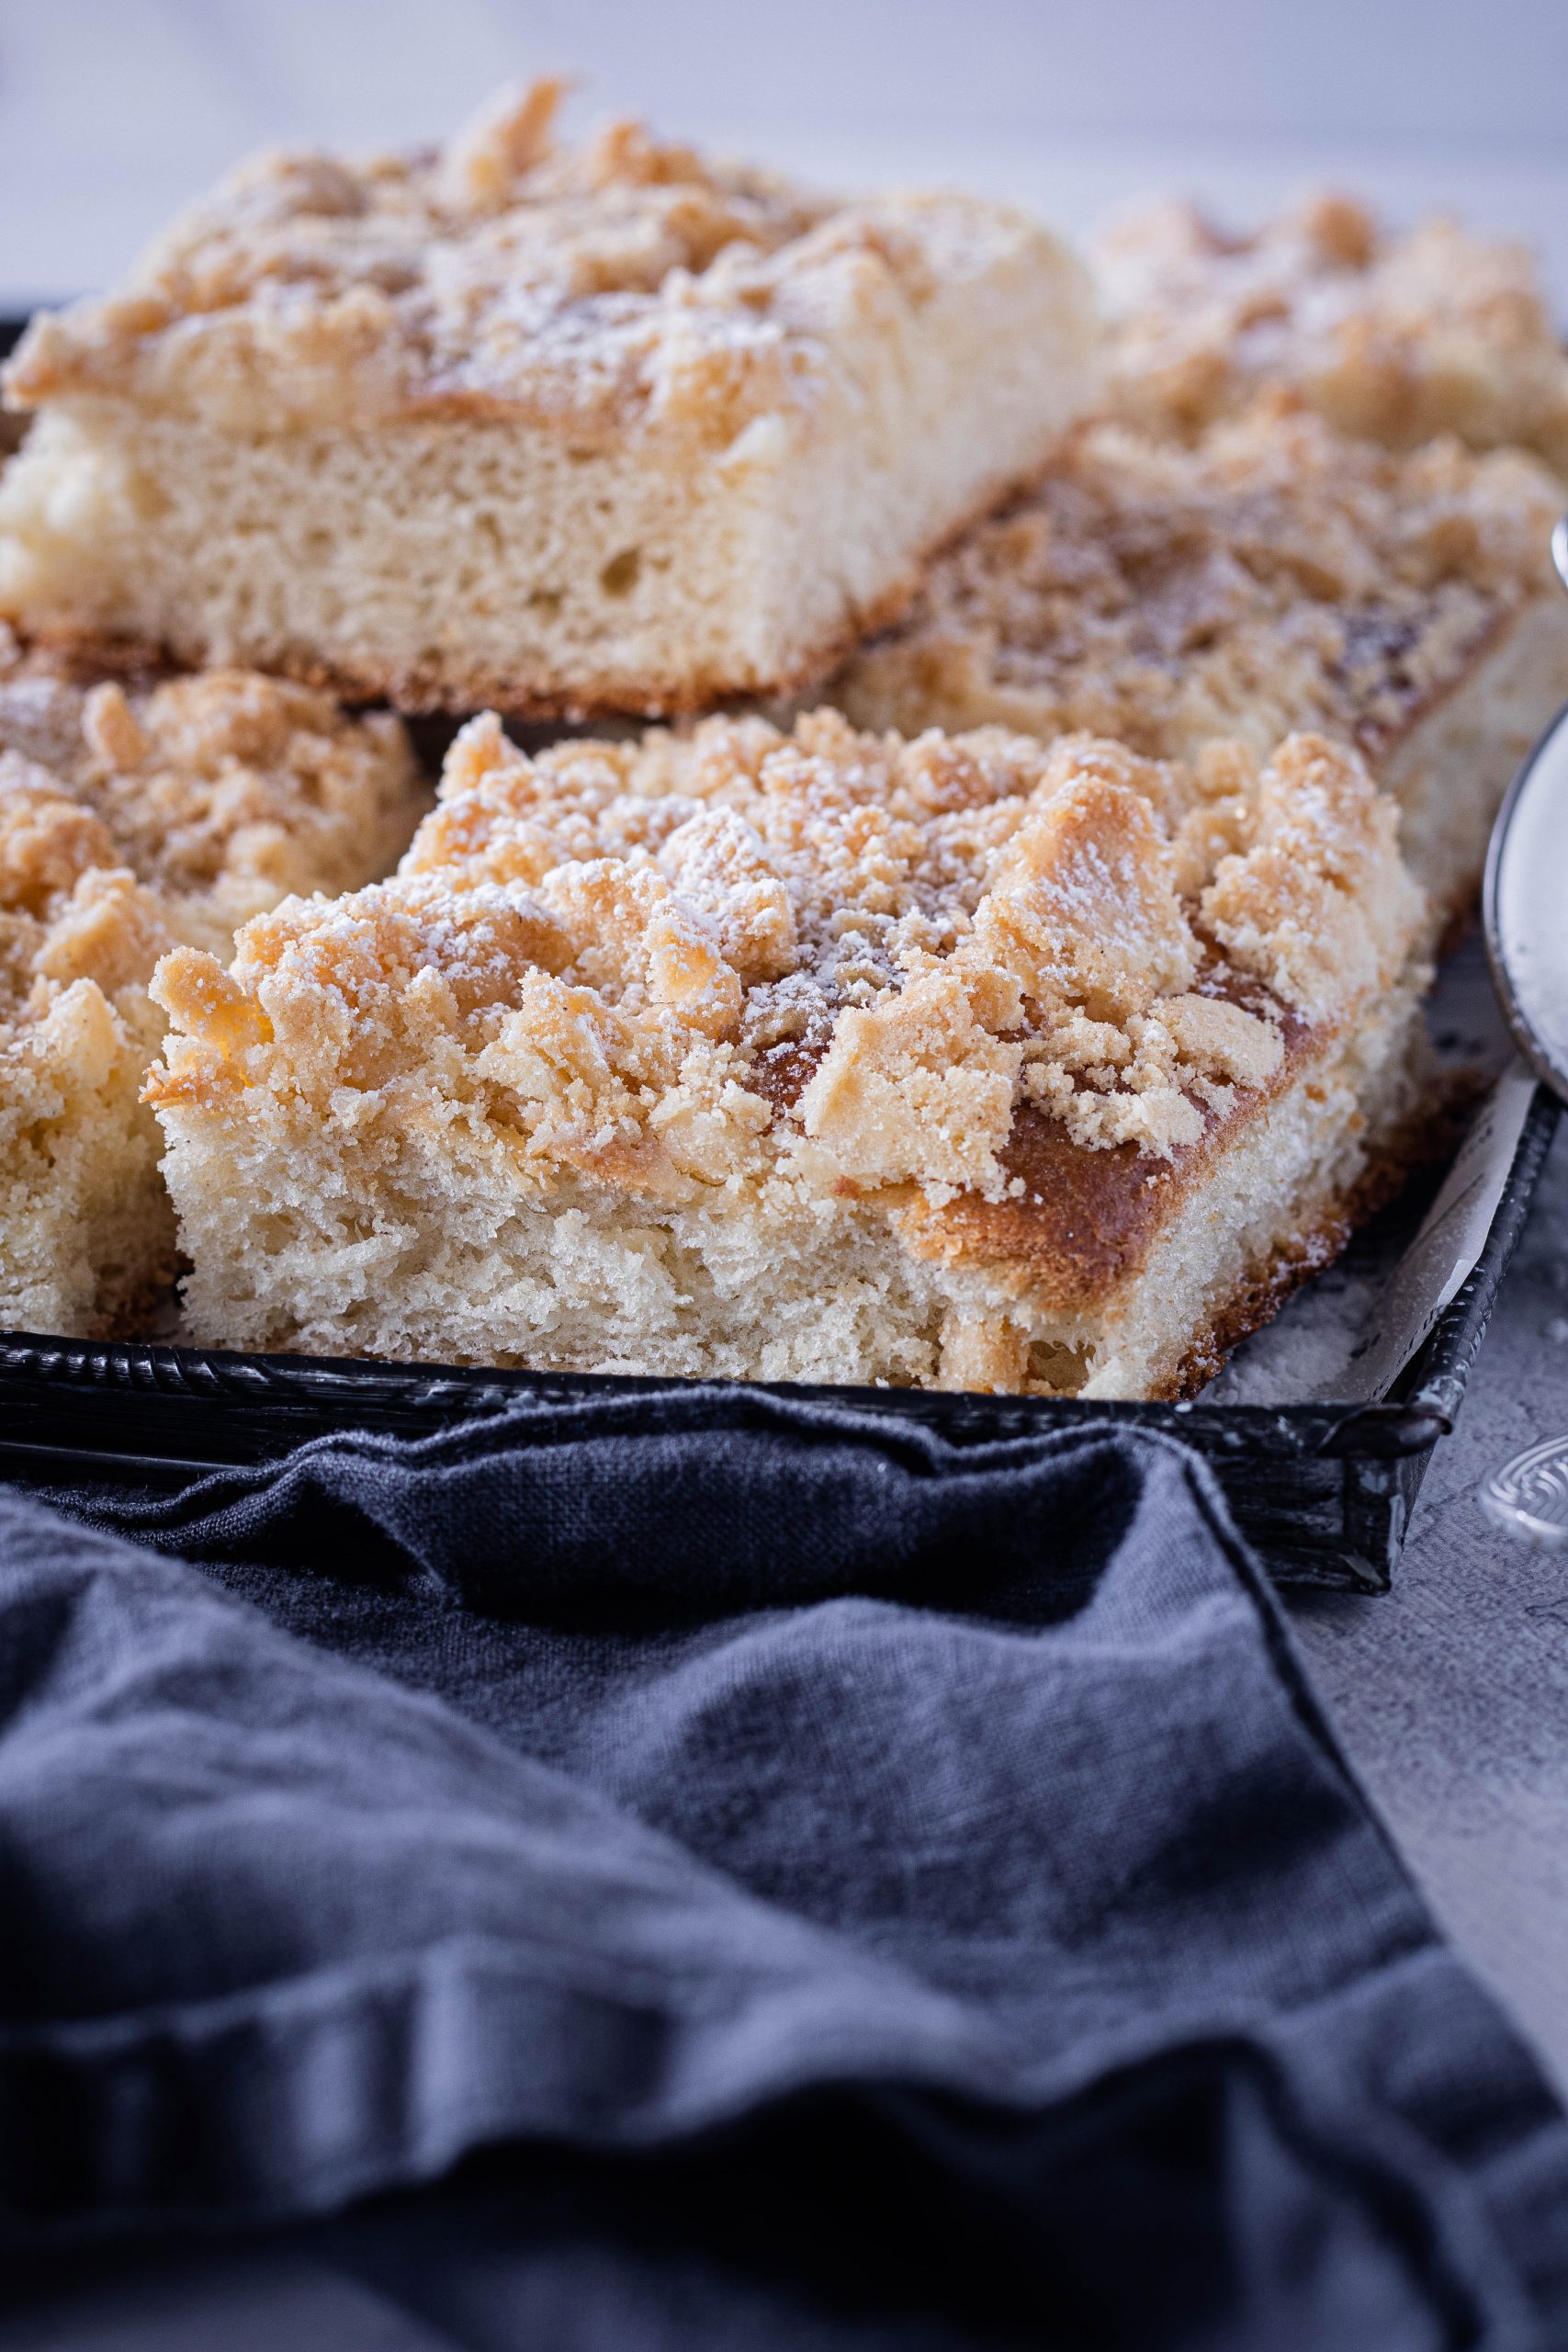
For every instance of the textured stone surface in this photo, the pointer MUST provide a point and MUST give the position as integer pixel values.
(1452, 1693)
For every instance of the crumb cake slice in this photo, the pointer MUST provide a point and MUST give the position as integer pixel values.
(129, 822)
(1393, 338)
(1270, 577)
(809, 1057)
(553, 427)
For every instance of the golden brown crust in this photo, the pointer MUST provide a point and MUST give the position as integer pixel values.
(1081, 1225)
(1393, 338)
(1086, 1223)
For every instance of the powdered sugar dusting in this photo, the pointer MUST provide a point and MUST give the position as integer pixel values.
(697, 952)
(1396, 338)
(616, 284)
(221, 791)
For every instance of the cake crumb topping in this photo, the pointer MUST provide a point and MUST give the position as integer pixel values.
(691, 960)
(222, 792)
(1394, 338)
(1269, 577)
(620, 282)
(79, 936)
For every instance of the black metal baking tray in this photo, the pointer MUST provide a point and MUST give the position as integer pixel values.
(1324, 1491)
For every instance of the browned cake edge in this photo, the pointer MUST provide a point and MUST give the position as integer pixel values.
(1082, 1230)
(1420, 1144)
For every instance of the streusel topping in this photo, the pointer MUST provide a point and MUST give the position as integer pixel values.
(224, 791)
(1395, 338)
(1270, 577)
(594, 287)
(671, 965)
(70, 912)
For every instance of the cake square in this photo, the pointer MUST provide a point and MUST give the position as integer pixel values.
(561, 428)
(131, 822)
(818, 1055)
(1268, 577)
(1391, 338)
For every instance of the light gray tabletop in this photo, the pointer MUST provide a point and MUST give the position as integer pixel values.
(1450, 1692)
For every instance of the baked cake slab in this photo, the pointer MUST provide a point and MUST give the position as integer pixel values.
(553, 427)
(810, 1056)
(130, 823)
(1394, 338)
(1270, 577)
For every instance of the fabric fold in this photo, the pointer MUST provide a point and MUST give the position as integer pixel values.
(657, 1769)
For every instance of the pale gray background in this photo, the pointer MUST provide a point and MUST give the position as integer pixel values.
(113, 111)
(1452, 1694)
